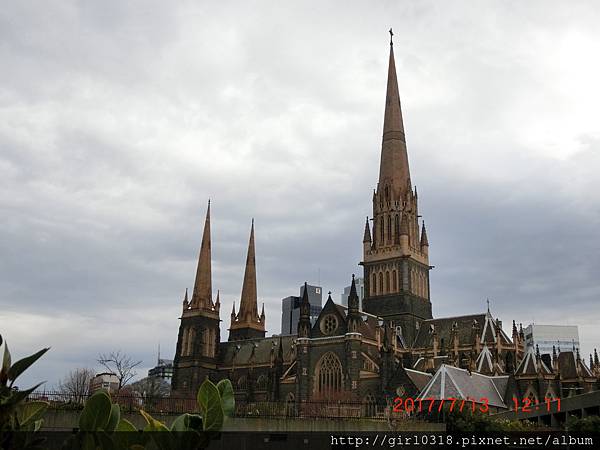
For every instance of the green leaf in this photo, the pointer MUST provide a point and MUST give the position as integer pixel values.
(210, 406)
(30, 412)
(5, 360)
(153, 424)
(180, 423)
(96, 412)
(125, 425)
(38, 424)
(21, 365)
(227, 398)
(18, 396)
(115, 416)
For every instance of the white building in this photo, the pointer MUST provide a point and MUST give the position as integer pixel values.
(546, 336)
(107, 381)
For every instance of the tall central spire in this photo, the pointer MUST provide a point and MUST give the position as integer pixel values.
(394, 158)
(202, 294)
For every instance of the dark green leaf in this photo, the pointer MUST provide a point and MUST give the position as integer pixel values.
(6, 359)
(153, 424)
(115, 416)
(96, 412)
(209, 402)
(227, 398)
(21, 365)
(125, 425)
(30, 412)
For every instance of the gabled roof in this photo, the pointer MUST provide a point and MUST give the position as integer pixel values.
(485, 361)
(255, 351)
(452, 382)
(568, 366)
(420, 379)
(530, 365)
(465, 328)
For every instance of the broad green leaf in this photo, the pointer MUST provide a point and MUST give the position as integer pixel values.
(30, 412)
(180, 423)
(21, 365)
(153, 424)
(227, 398)
(115, 416)
(125, 425)
(209, 402)
(96, 412)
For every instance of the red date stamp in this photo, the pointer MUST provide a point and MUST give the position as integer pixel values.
(533, 404)
(432, 405)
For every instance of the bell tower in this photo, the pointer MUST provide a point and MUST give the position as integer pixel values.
(395, 249)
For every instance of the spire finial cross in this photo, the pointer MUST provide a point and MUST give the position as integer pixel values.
(391, 36)
(488, 304)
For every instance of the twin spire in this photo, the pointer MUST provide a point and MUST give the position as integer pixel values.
(201, 300)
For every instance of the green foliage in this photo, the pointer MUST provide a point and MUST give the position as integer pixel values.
(481, 423)
(101, 425)
(15, 413)
(586, 425)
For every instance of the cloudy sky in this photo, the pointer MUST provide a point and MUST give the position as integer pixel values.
(118, 120)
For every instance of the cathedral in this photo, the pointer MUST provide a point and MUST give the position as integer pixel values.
(393, 347)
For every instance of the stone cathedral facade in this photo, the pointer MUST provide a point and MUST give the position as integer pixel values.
(390, 348)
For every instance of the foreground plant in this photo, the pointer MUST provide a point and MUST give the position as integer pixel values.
(15, 413)
(101, 425)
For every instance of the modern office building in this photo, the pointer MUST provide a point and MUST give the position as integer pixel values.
(360, 290)
(563, 337)
(290, 308)
(163, 370)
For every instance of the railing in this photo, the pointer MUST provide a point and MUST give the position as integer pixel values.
(263, 409)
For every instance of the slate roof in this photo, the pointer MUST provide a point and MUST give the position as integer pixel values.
(485, 361)
(420, 379)
(256, 351)
(452, 382)
(530, 365)
(568, 367)
(465, 328)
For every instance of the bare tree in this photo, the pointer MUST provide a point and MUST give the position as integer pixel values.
(76, 384)
(120, 364)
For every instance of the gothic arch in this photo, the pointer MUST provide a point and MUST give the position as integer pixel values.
(369, 406)
(380, 282)
(329, 378)
(387, 282)
(394, 281)
(374, 284)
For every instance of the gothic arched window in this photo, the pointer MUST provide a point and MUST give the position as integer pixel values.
(394, 281)
(389, 228)
(397, 228)
(261, 383)
(369, 406)
(374, 284)
(380, 282)
(387, 281)
(381, 228)
(329, 375)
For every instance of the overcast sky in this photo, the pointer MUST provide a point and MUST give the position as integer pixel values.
(118, 120)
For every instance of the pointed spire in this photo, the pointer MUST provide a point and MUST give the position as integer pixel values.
(596, 361)
(262, 313)
(248, 303)
(218, 301)
(394, 159)
(424, 240)
(367, 235)
(591, 362)
(514, 329)
(202, 294)
(185, 300)
(233, 310)
(304, 324)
